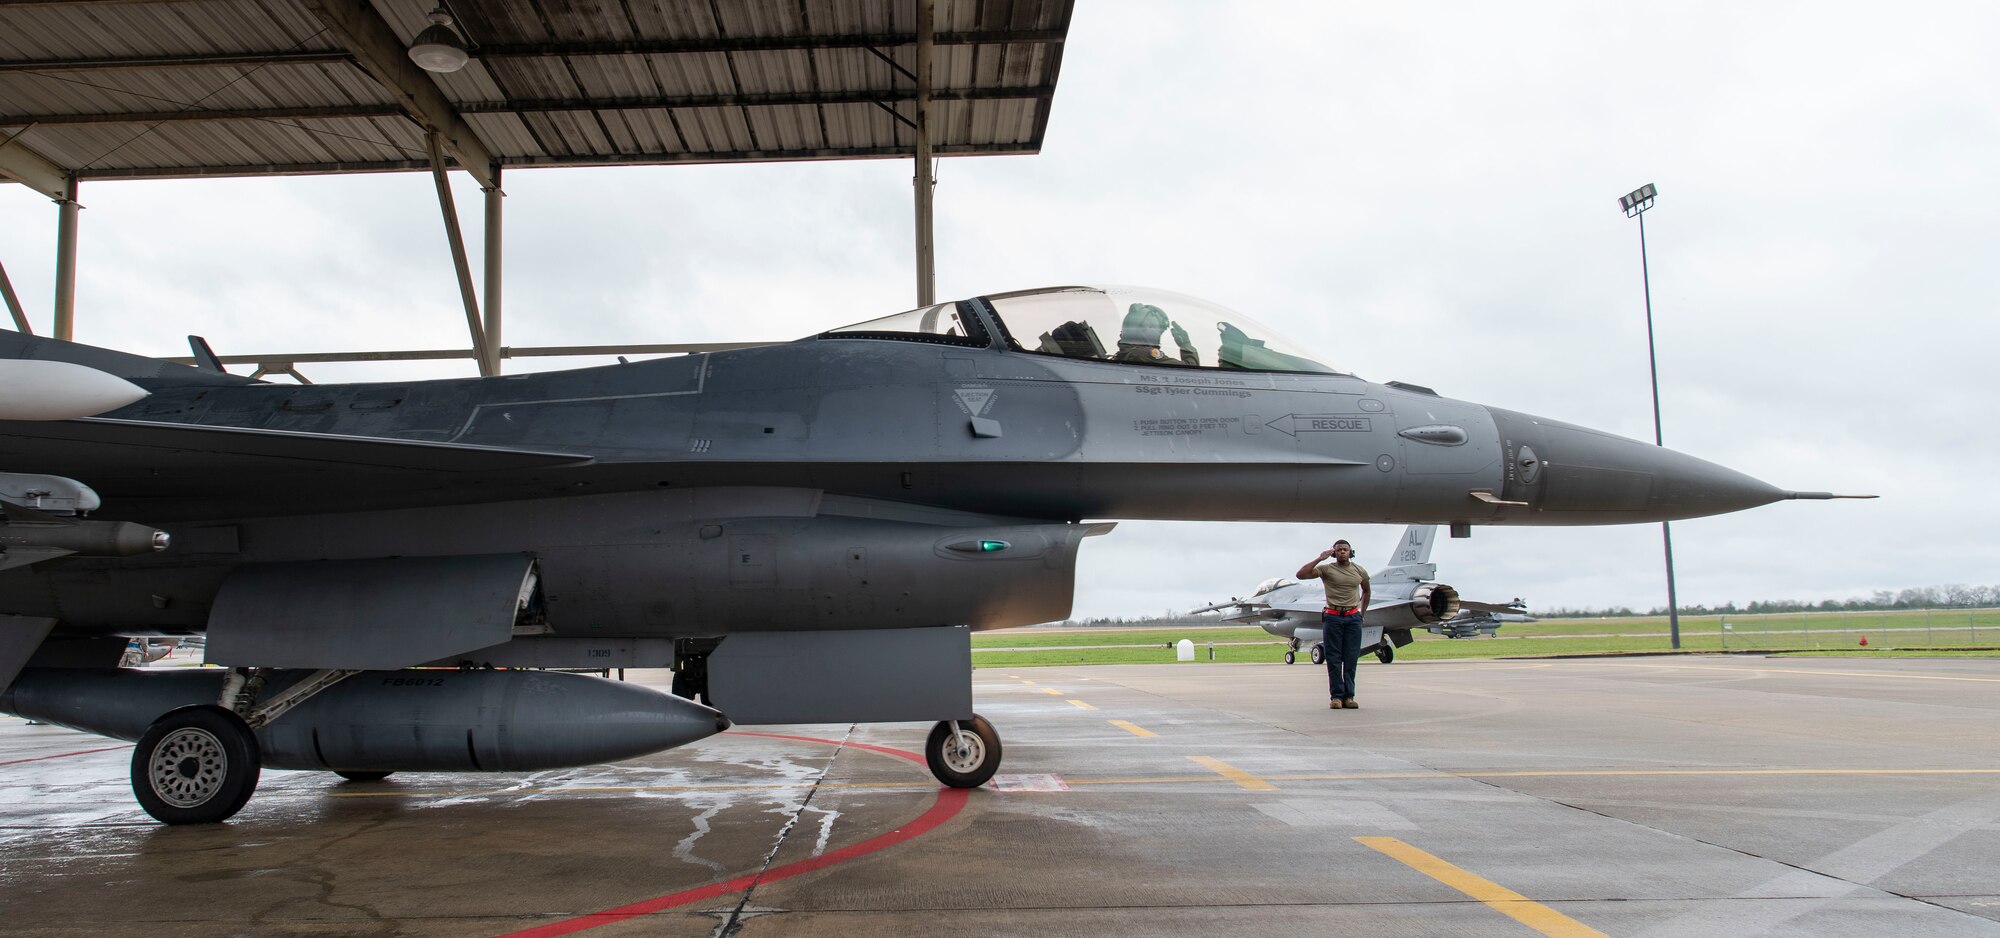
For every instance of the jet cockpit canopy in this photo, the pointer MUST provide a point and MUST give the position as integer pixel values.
(1137, 325)
(1271, 584)
(1144, 326)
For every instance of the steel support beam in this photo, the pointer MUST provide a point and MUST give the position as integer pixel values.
(493, 199)
(192, 114)
(854, 41)
(774, 99)
(14, 304)
(896, 151)
(527, 106)
(65, 325)
(382, 54)
(488, 365)
(151, 62)
(32, 169)
(925, 179)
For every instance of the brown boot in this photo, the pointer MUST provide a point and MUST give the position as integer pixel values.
(1333, 703)
(1349, 704)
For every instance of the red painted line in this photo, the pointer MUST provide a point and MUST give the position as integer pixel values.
(949, 802)
(898, 753)
(60, 755)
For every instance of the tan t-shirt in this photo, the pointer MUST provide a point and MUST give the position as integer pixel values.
(1343, 584)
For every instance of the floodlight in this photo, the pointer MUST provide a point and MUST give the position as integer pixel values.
(1638, 200)
(437, 48)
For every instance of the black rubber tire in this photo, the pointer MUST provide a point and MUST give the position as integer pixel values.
(196, 765)
(1385, 652)
(1289, 657)
(355, 776)
(1318, 653)
(964, 769)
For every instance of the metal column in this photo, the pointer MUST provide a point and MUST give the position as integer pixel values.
(493, 197)
(1653, 364)
(480, 349)
(925, 181)
(65, 325)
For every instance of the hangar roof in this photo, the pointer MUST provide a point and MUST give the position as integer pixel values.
(178, 88)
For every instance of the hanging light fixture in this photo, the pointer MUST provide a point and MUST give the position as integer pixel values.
(437, 48)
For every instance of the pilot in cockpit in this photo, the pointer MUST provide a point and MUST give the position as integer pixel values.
(1139, 338)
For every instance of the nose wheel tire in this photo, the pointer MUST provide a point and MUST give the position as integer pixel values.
(196, 765)
(1289, 657)
(1385, 652)
(363, 776)
(963, 753)
(1318, 653)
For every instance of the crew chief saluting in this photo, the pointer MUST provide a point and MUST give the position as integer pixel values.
(1347, 591)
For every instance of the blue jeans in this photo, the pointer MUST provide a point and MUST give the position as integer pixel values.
(1342, 643)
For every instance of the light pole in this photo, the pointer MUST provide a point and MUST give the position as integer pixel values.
(1635, 204)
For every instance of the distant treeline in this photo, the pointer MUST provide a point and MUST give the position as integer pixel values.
(1955, 596)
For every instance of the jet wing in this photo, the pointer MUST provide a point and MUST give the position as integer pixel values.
(1232, 604)
(1516, 606)
(166, 471)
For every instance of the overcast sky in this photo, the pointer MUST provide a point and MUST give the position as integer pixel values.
(1418, 192)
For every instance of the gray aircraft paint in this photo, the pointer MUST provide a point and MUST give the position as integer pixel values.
(869, 495)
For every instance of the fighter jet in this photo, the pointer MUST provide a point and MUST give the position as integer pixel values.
(1405, 595)
(805, 532)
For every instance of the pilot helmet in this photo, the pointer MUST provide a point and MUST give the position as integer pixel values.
(1143, 324)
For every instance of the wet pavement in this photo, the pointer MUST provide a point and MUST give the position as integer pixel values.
(1698, 796)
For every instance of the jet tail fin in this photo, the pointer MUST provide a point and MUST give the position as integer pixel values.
(204, 357)
(1415, 547)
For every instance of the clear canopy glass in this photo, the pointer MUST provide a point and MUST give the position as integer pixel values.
(1145, 326)
(944, 322)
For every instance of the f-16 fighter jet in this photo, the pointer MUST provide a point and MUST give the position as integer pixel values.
(805, 532)
(1406, 593)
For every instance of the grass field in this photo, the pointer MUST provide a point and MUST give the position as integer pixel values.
(1889, 634)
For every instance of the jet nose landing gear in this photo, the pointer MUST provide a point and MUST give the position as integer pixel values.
(963, 753)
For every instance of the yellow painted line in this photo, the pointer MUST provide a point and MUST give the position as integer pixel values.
(1051, 690)
(1132, 728)
(1083, 705)
(1027, 682)
(1233, 774)
(1506, 901)
(1908, 677)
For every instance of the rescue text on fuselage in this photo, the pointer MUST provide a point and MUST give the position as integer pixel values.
(805, 531)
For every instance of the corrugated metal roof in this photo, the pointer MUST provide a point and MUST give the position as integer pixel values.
(162, 88)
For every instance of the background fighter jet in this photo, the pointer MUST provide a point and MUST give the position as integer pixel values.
(1405, 596)
(805, 532)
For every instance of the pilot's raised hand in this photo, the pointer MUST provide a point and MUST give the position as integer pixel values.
(1188, 354)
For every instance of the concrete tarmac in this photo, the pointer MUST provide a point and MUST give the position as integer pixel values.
(1696, 796)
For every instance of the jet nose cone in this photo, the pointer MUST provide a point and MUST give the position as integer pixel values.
(1687, 487)
(1586, 476)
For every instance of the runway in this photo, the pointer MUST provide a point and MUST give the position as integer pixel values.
(1697, 796)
